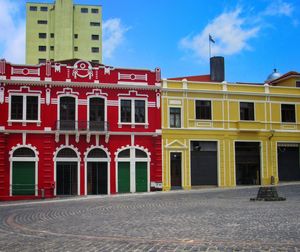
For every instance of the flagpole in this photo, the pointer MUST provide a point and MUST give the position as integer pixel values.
(210, 40)
(209, 43)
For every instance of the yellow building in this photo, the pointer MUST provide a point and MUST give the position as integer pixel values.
(228, 134)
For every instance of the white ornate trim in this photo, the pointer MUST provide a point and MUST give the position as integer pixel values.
(142, 148)
(29, 146)
(78, 159)
(48, 96)
(66, 146)
(67, 91)
(132, 94)
(82, 66)
(132, 159)
(24, 89)
(96, 92)
(26, 159)
(92, 147)
(2, 95)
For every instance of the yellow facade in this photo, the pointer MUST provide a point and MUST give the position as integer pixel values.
(225, 128)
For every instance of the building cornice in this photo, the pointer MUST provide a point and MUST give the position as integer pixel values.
(80, 84)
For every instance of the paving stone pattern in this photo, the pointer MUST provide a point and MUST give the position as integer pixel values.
(198, 220)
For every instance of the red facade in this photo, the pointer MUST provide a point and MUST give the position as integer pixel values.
(77, 128)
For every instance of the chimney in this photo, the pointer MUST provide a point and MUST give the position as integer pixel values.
(217, 72)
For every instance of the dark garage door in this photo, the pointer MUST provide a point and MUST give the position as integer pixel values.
(204, 163)
(288, 162)
(247, 163)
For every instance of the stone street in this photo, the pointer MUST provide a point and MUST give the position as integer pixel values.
(196, 220)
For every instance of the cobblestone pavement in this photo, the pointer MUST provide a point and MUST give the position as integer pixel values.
(197, 220)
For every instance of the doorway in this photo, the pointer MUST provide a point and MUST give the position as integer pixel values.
(176, 170)
(247, 163)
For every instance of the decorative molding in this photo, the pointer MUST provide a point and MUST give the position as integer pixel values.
(24, 138)
(113, 103)
(151, 105)
(67, 91)
(142, 148)
(57, 67)
(184, 84)
(96, 92)
(2, 89)
(24, 89)
(19, 78)
(158, 75)
(175, 102)
(176, 145)
(64, 146)
(2, 66)
(107, 70)
(165, 83)
(48, 96)
(267, 88)
(25, 71)
(92, 147)
(48, 68)
(29, 146)
(132, 77)
(132, 83)
(132, 94)
(82, 69)
(157, 100)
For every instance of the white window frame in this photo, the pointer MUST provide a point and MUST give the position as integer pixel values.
(254, 111)
(105, 108)
(34, 159)
(24, 113)
(132, 159)
(296, 115)
(211, 110)
(169, 118)
(87, 159)
(76, 107)
(67, 159)
(133, 111)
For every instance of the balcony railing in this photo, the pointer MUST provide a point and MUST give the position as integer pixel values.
(66, 125)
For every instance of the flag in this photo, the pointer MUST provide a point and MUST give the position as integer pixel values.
(211, 39)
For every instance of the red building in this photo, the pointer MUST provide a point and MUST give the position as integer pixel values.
(78, 128)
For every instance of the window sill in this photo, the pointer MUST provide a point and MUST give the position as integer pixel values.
(133, 125)
(24, 123)
(203, 120)
(288, 123)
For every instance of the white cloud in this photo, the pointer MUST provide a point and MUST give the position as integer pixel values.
(279, 8)
(12, 35)
(113, 36)
(229, 30)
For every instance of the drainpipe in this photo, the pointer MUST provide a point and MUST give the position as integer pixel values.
(270, 138)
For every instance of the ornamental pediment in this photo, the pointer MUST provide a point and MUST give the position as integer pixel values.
(82, 69)
(176, 144)
(78, 71)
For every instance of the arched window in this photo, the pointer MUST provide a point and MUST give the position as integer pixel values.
(66, 153)
(23, 152)
(133, 170)
(67, 113)
(124, 154)
(97, 153)
(24, 172)
(140, 154)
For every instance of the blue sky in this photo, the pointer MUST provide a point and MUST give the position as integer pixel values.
(253, 36)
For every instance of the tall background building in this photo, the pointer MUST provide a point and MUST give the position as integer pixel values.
(63, 31)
